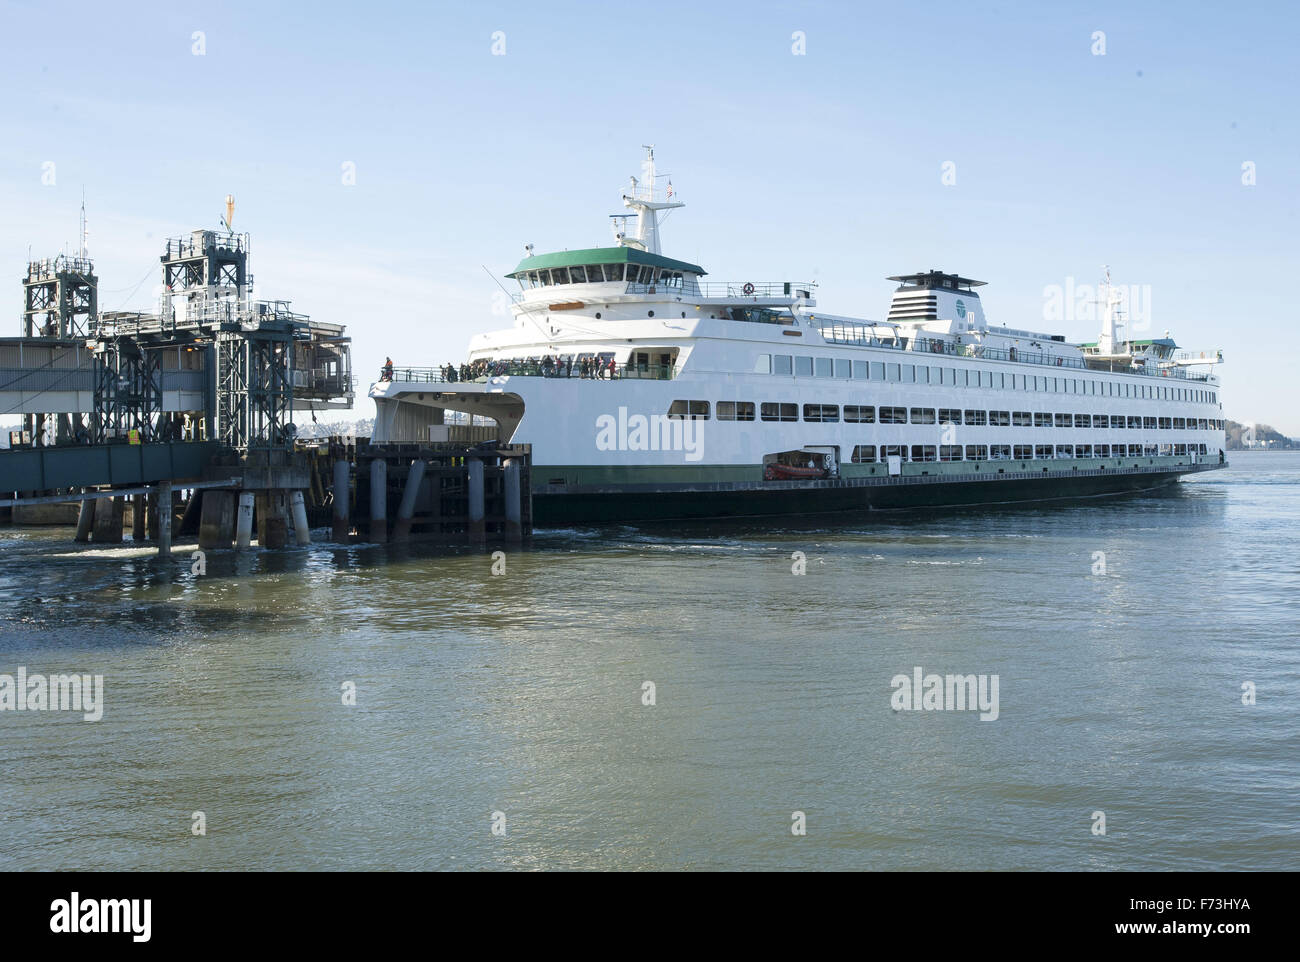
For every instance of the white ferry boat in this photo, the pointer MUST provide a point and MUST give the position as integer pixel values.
(648, 392)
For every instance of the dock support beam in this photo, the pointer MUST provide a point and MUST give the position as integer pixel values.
(244, 521)
(301, 533)
(165, 519)
(342, 495)
(85, 520)
(477, 519)
(405, 510)
(378, 500)
(514, 505)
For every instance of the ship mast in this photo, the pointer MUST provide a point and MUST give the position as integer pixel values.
(1111, 319)
(641, 199)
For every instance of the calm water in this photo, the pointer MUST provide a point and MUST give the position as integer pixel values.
(522, 694)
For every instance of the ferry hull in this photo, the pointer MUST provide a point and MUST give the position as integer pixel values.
(725, 500)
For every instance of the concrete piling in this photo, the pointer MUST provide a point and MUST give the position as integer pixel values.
(217, 521)
(477, 500)
(272, 520)
(514, 529)
(406, 510)
(108, 520)
(378, 501)
(244, 521)
(301, 532)
(342, 497)
(137, 518)
(165, 520)
(85, 520)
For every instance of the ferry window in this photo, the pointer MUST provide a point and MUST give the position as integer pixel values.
(1082, 421)
(1148, 424)
(949, 415)
(923, 416)
(857, 414)
(924, 452)
(821, 412)
(1179, 424)
(893, 451)
(1043, 451)
(763, 364)
(560, 275)
(877, 370)
(977, 452)
(986, 378)
(613, 272)
(1024, 452)
(909, 373)
(950, 452)
(1102, 450)
(735, 410)
(672, 279)
(1000, 419)
(976, 418)
(782, 364)
(864, 453)
(950, 376)
(772, 411)
(1022, 419)
(1083, 451)
(1065, 450)
(842, 368)
(1165, 424)
(532, 279)
(1134, 423)
(823, 366)
(578, 275)
(803, 366)
(1064, 420)
(1000, 452)
(545, 278)
(860, 370)
(1042, 419)
(891, 372)
(694, 410)
(893, 415)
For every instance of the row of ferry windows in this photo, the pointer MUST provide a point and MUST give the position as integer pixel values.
(600, 273)
(867, 414)
(871, 453)
(835, 367)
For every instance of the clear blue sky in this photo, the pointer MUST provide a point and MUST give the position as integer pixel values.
(823, 166)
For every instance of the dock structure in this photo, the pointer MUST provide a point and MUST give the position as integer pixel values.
(183, 421)
(198, 395)
(438, 491)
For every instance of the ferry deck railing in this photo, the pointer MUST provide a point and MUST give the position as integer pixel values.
(530, 368)
(861, 336)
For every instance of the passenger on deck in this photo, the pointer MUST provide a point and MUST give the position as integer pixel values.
(386, 374)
